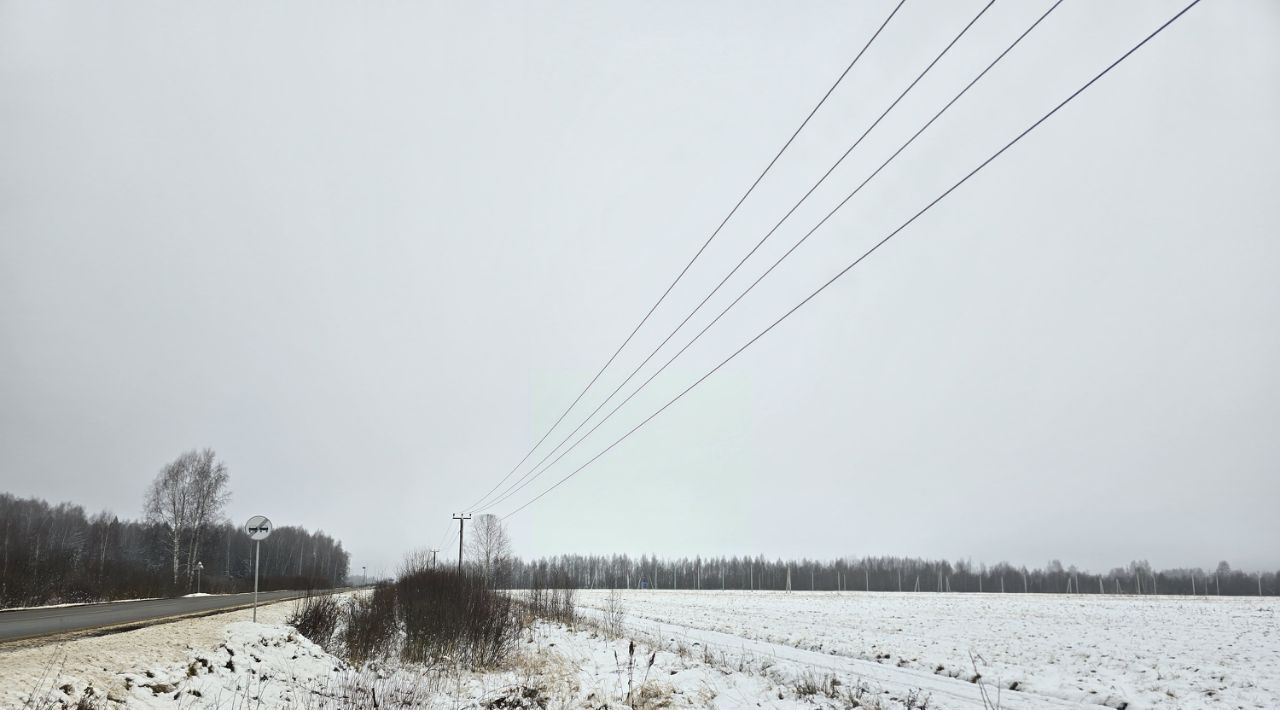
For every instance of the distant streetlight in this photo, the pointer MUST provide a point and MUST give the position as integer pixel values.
(199, 569)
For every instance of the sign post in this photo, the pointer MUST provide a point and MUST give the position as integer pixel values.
(258, 529)
(199, 569)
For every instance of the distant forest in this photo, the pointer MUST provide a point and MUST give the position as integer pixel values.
(878, 574)
(58, 554)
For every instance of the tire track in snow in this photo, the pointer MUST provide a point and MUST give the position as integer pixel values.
(945, 692)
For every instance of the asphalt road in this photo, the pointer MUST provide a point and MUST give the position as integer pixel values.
(28, 623)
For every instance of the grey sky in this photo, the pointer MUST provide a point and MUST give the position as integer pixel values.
(369, 252)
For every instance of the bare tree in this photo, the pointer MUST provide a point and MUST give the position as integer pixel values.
(186, 496)
(209, 494)
(416, 560)
(168, 504)
(489, 545)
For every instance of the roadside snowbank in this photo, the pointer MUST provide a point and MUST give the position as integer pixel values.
(209, 663)
(100, 662)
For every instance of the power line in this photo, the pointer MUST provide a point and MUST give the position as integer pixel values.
(517, 485)
(696, 255)
(859, 260)
(522, 482)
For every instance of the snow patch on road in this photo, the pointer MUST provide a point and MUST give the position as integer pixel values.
(63, 606)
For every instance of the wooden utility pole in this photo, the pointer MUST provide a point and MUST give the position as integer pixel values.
(460, 518)
(433, 558)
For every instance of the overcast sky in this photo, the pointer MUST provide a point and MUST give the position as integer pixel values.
(370, 251)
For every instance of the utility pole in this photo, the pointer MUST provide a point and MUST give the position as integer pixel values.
(433, 558)
(460, 518)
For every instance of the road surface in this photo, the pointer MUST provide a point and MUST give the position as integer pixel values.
(29, 623)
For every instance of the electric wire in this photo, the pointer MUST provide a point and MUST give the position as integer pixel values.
(859, 259)
(517, 484)
(696, 255)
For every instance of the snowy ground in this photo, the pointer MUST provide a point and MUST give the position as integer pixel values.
(1040, 650)
(230, 663)
(712, 649)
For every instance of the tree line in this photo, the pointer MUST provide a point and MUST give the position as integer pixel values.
(58, 553)
(878, 574)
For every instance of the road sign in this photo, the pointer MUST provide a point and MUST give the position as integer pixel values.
(258, 527)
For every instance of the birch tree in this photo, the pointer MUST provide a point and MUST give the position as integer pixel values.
(489, 544)
(186, 496)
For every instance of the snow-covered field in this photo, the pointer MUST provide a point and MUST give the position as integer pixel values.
(1040, 650)
(712, 649)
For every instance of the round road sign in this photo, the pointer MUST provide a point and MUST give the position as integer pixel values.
(258, 527)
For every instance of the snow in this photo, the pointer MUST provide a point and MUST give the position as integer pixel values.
(102, 661)
(60, 606)
(196, 594)
(1039, 650)
(716, 649)
(240, 664)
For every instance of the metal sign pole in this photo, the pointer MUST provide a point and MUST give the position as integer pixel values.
(257, 547)
(258, 528)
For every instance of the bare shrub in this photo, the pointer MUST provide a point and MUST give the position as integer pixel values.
(614, 614)
(455, 616)
(371, 625)
(432, 617)
(552, 596)
(317, 619)
(987, 702)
